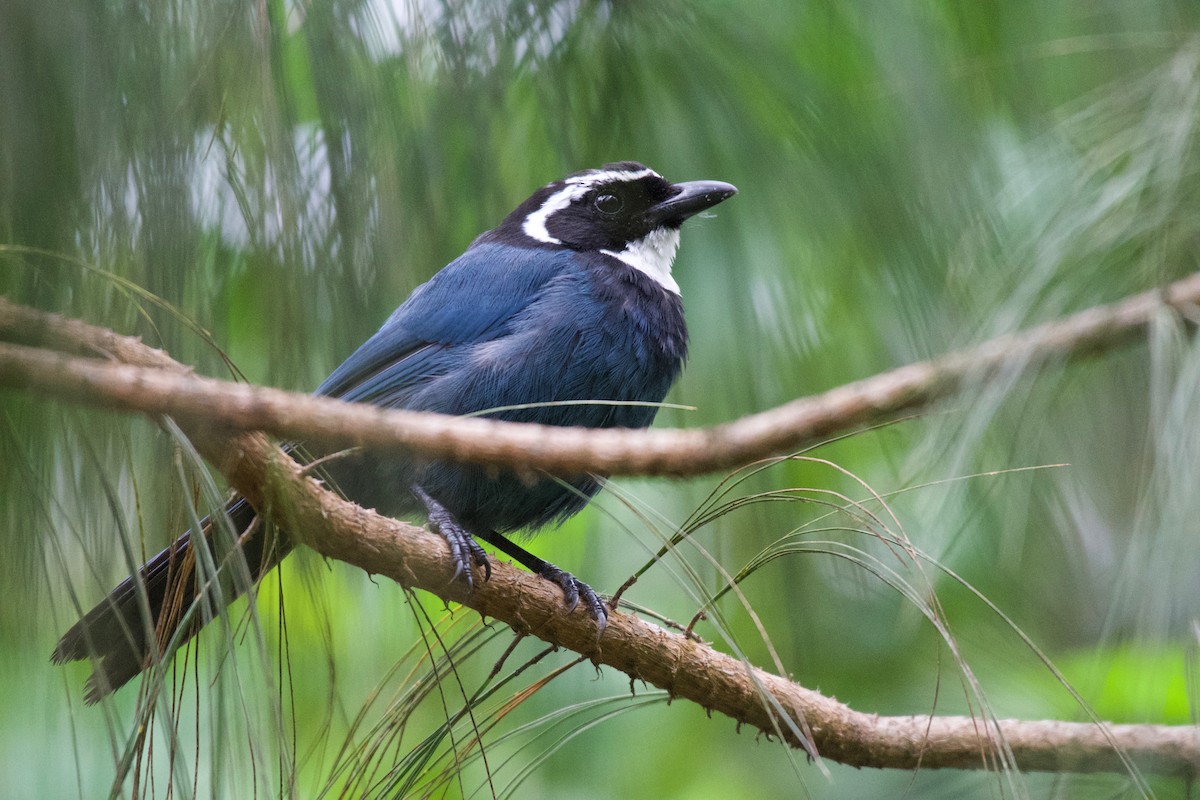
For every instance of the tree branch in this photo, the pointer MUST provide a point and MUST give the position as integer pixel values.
(786, 428)
(685, 668)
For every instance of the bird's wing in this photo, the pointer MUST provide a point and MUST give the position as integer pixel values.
(472, 299)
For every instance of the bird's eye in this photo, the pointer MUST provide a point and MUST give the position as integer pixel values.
(608, 203)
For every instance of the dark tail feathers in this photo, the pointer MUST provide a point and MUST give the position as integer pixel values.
(117, 633)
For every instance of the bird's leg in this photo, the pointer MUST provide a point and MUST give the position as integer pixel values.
(573, 588)
(465, 551)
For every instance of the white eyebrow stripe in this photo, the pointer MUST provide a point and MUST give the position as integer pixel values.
(534, 225)
(591, 179)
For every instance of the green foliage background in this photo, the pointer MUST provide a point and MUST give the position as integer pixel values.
(915, 177)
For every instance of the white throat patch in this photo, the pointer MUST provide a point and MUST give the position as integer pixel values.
(534, 225)
(653, 255)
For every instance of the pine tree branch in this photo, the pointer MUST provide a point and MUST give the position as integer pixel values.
(786, 428)
(137, 375)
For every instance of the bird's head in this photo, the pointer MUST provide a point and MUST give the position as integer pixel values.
(624, 210)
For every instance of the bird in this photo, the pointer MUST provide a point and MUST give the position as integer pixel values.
(566, 313)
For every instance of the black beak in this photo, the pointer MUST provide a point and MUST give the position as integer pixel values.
(688, 199)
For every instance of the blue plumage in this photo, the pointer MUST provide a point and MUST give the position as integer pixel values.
(492, 308)
(564, 327)
(569, 299)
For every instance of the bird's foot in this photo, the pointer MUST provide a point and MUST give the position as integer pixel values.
(464, 550)
(575, 590)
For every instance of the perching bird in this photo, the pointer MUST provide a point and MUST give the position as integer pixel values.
(570, 298)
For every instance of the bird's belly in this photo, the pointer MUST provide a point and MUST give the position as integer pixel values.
(478, 497)
(502, 500)
(575, 372)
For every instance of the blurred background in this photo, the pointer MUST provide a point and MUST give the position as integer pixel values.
(262, 183)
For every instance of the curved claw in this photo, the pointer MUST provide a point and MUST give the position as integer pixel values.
(575, 590)
(464, 550)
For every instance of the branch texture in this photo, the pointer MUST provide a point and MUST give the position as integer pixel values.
(786, 428)
(685, 668)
